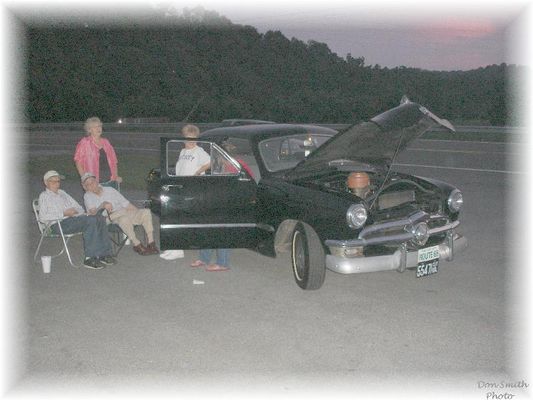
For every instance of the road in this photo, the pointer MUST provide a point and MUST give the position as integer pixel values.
(144, 328)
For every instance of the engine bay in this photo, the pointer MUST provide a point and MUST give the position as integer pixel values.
(398, 192)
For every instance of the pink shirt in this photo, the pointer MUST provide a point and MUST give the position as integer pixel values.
(88, 155)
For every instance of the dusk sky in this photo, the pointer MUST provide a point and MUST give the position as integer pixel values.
(434, 35)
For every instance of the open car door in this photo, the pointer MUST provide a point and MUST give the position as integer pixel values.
(213, 210)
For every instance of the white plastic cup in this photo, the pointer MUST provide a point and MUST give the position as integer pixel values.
(47, 263)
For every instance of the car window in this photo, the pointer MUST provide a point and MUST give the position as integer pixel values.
(285, 152)
(222, 164)
(204, 152)
(241, 151)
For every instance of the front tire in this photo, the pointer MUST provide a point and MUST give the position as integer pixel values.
(308, 257)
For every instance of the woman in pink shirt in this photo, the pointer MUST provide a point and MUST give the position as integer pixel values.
(96, 155)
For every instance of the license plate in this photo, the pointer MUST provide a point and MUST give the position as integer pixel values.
(428, 261)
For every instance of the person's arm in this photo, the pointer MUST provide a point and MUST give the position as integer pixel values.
(118, 199)
(79, 155)
(80, 168)
(203, 168)
(70, 212)
(92, 211)
(72, 205)
(90, 204)
(205, 161)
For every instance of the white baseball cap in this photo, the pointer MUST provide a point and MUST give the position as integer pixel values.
(86, 176)
(52, 173)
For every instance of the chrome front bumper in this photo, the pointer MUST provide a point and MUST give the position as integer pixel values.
(340, 260)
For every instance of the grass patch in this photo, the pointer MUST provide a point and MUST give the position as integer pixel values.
(133, 168)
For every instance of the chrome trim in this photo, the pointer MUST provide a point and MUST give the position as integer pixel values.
(350, 215)
(448, 201)
(205, 226)
(412, 219)
(166, 188)
(393, 238)
(189, 226)
(400, 260)
(416, 230)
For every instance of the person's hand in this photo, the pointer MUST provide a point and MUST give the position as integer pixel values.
(107, 205)
(70, 212)
(119, 179)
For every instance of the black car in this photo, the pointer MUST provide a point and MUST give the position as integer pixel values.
(328, 198)
(239, 122)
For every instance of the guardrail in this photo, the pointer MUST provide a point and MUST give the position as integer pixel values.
(168, 127)
(57, 138)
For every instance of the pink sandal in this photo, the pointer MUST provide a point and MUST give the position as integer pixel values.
(197, 263)
(216, 267)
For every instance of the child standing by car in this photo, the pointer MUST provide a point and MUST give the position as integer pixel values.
(222, 255)
(193, 160)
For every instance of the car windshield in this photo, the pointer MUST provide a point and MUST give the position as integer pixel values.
(285, 152)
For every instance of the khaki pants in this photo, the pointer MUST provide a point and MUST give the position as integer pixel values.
(127, 219)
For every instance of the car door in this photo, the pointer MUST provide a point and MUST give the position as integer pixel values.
(213, 210)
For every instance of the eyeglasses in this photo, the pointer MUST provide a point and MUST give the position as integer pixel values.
(54, 180)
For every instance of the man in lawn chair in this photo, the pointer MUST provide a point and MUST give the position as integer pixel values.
(57, 207)
(120, 211)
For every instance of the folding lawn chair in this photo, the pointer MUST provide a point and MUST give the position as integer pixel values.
(117, 236)
(113, 184)
(46, 232)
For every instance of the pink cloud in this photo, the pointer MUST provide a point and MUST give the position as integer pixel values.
(453, 30)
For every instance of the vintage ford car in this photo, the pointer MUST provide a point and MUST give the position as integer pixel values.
(329, 198)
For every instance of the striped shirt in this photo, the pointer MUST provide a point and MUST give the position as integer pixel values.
(52, 205)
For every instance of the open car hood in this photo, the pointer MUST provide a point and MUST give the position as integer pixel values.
(375, 142)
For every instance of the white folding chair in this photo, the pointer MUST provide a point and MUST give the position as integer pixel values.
(46, 232)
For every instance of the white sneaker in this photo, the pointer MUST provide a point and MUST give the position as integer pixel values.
(172, 254)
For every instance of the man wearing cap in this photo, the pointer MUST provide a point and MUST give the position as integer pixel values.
(120, 211)
(57, 205)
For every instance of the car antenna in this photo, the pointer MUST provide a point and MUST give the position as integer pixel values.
(193, 109)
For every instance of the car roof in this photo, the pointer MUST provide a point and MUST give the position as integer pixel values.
(265, 130)
(240, 121)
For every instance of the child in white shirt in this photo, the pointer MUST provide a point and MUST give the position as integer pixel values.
(193, 160)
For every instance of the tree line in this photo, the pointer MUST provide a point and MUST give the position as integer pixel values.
(199, 66)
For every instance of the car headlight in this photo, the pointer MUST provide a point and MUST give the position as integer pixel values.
(420, 233)
(356, 216)
(455, 200)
